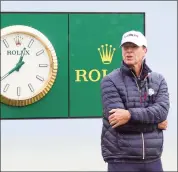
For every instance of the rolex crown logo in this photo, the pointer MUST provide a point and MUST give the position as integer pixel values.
(18, 40)
(106, 53)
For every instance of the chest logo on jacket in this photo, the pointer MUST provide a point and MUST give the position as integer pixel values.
(150, 92)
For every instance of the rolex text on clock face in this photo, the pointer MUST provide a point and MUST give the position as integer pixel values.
(25, 66)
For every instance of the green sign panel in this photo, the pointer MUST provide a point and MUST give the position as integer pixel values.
(87, 48)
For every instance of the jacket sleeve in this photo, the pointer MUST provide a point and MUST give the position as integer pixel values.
(158, 111)
(112, 100)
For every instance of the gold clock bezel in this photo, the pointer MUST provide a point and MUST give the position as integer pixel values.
(53, 63)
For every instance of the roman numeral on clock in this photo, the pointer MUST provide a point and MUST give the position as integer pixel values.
(30, 43)
(39, 52)
(31, 87)
(39, 78)
(18, 91)
(6, 43)
(6, 88)
(43, 65)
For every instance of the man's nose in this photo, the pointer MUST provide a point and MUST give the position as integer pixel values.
(129, 49)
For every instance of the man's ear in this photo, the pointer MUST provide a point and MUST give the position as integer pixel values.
(145, 49)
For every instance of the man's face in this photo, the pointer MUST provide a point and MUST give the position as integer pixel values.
(133, 54)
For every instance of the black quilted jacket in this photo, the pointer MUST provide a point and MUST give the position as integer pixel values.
(147, 100)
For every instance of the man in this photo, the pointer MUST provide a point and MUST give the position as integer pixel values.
(135, 105)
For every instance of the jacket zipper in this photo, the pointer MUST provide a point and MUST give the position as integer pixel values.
(143, 146)
(143, 143)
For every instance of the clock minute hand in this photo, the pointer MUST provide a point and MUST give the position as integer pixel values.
(22, 55)
(21, 58)
(16, 68)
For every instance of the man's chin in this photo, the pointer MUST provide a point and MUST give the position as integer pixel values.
(129, 63)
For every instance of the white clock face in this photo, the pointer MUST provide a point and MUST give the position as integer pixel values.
(22, 77)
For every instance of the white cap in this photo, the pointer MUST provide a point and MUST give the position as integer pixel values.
(135, 37)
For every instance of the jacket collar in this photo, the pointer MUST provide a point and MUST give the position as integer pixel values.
(129, 71)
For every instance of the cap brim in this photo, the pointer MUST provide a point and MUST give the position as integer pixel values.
(129, 42)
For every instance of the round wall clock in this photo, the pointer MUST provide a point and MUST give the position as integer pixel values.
(28, 65)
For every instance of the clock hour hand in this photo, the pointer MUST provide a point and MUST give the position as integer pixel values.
(16, 68)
